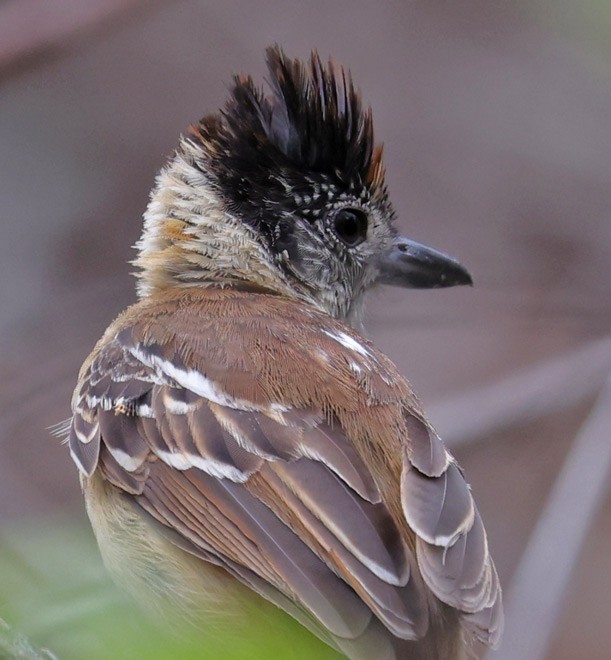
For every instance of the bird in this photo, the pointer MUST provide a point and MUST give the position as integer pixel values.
(241, 443)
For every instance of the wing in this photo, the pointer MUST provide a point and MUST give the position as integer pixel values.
(451, 543)
(260, 473)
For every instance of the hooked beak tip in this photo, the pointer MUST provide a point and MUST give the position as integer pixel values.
(414, 265)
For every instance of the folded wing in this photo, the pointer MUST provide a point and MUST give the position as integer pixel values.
(273, 489)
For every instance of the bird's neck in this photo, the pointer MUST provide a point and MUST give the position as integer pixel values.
(190, 238)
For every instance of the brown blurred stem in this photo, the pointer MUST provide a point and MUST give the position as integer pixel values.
(538, 590)
(528, 394)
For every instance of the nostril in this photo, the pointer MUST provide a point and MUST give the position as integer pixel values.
(402, 247)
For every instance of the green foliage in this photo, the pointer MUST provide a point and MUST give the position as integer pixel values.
(55, 592)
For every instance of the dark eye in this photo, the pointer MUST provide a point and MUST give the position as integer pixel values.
(351, 226)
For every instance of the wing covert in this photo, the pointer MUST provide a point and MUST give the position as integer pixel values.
(451, 547)
(187, 412)
(277, 494)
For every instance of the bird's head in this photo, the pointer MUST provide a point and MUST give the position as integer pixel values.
(285, 193)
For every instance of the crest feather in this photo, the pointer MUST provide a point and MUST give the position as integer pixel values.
(313, 123)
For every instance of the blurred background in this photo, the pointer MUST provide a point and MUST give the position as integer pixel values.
(496, 120)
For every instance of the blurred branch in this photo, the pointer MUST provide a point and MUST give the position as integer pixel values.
(536, 596)
(31, 29)
(523, 396)
(17, 646)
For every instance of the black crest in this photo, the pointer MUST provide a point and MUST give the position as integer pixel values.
(311, 131)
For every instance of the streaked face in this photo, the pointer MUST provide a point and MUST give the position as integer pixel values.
(329, 237)
(302, 169)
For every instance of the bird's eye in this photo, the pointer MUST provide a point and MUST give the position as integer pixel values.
(351, 226)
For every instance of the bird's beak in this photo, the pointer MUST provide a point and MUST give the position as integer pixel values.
(413, 265)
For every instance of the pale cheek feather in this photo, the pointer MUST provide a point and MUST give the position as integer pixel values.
(183, 193)
(167, 259)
